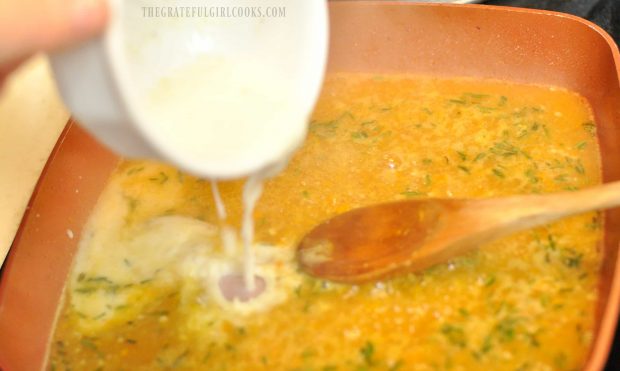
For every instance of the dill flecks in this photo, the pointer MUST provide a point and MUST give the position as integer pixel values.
(589, 127)
(464, 168)
(498, 173)
(368, 352)
(454, 334)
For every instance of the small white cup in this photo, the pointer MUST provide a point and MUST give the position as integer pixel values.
(105, 81)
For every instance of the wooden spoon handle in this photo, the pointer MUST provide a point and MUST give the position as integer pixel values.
(523, 212)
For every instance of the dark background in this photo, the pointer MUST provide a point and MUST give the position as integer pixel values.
(606, 13)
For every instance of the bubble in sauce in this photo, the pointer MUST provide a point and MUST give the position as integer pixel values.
(233, 287)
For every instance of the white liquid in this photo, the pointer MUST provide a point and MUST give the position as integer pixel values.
(219, 204)
(251, 193)
(224, 118)
(227, 234)
(221, 118)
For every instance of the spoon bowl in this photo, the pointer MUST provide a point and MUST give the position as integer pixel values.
(384, 240)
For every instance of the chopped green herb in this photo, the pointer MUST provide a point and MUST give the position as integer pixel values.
(180, 359)
(306, 194)
(523, 134)
(99, 279)
(551, 242)
(499, 173)
(579, 168)
(99, 316)
(589, 127)
(538, 109)
(89, 344)
(571, 258)
(135, 170)
(560, 360)
(162, 178)
(308, 353)
(484, 109)
(359, 135)
(505, 149)
(533, 340)
(506, 329)
(476, 96)
(368, 352)
(489, 281)
(531, 175)
(307, 306)
(324, 129)
(462, 155)
(85, 290)
(479, 156)
(346, 114)
(428, 180)
(486, 344)
(81, 315)
(454, 334)
(132, 203)
(464, 168)
(595, 223)
(410, 194)
(581, 145)
(427, 161)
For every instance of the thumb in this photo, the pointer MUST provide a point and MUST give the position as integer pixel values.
(29, 26)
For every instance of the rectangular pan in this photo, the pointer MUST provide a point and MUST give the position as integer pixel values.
(517, 45)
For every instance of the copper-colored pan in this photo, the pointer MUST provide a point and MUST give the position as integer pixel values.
(511, 44)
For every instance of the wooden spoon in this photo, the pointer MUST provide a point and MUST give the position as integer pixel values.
(387, 239)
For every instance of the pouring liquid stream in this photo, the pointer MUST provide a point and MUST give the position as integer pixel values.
(236, 100)
(252, 192)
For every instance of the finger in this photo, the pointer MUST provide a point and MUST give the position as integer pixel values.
(29, 26)
(7, 68)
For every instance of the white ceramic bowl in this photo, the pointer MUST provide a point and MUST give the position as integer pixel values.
(104, 82)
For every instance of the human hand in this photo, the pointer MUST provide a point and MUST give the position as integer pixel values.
(31, 26)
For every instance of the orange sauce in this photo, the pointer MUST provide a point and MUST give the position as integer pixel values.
(525, 302)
